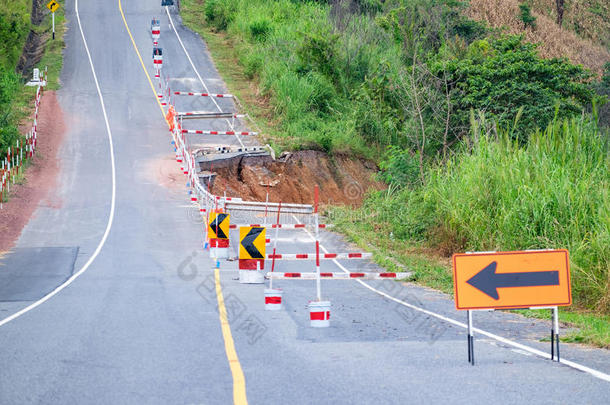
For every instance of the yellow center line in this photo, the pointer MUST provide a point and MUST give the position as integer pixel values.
(239, 381)
(133, 42)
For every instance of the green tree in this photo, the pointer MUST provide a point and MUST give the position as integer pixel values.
(525, 14)
(505, 75)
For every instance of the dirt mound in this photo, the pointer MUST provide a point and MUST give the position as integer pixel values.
(293, 177)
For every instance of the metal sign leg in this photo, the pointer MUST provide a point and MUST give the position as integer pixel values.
(555, 335)
(470, 339)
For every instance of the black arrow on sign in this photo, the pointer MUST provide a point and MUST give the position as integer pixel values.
(248, 243)
(488, 281)
(215, 225)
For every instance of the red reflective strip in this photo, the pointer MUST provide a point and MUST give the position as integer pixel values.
(292, 275)
(319, 316)
(191, 94)
(219, 95)
(302, 256)
(388, 275)
(177, 93)
(213, 132)
(245, 133)
(229, 133)
(194, 199)
(330, 255)
(232, 226)
(322, 226)
(204, 94)
(356, 275)
(274, 256)
(200, 132)
(299, 226)
(273, 300)
(354, 255)
(326, 274)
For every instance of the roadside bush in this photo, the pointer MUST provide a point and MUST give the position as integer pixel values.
(260, 29)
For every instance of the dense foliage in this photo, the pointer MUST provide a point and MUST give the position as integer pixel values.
(363, 75)
(14, 27)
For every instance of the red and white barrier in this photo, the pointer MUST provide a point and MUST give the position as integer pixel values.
(190, 93)
(207, 114)
(196, 131)
(337, 276)
(10, 166)
(282, 226)
(324, 256)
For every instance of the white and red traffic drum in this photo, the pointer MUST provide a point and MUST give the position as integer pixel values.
(158, 57)
(273, 299)
(155, 28)
(319, 314)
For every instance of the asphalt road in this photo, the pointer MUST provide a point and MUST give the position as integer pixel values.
(140, 325)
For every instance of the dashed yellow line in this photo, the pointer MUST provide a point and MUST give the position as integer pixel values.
(239, 381)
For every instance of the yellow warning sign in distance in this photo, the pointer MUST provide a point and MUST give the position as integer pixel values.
(219, 225)
(53, 5)
(252, 242)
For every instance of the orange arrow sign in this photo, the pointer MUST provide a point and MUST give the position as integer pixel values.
(511, 279)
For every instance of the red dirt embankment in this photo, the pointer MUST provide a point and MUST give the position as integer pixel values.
(40, 177)
(293, 176)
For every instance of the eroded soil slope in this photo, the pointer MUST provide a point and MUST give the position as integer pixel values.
(293, 177)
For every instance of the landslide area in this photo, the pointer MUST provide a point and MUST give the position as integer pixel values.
(293, 176)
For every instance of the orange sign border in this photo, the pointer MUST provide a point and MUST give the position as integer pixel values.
(522, 252)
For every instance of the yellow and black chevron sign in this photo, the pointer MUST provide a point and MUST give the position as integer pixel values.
(219, 225)
(53, 6)
(252, 242)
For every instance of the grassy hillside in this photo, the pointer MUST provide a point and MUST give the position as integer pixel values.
(584, 37)
(590, 19)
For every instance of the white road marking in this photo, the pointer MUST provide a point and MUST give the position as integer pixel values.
(197, 72)
(518, 346)
(112, 201)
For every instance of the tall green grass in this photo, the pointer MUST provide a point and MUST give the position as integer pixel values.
(498, 194)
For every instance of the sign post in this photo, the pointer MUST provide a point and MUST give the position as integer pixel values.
(53, 5)
(538, 279)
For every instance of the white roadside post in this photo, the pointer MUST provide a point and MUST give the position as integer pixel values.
(319, 311)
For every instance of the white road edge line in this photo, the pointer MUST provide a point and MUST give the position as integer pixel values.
(112, 202)
(577, 366)
(197, 72)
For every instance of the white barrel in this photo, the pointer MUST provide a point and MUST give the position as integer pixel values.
(273, 299)
(319, 314)
(251, 277)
